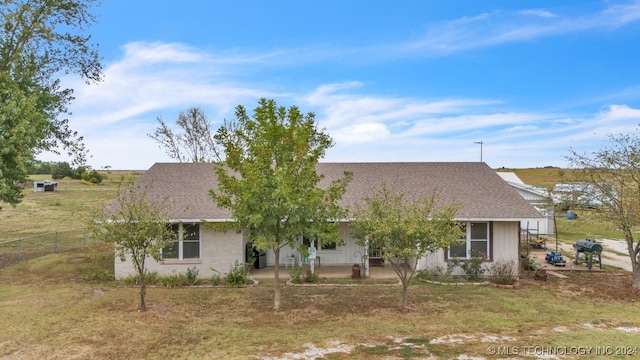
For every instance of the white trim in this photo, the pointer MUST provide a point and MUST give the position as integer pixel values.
(181, 258)
(468, 239)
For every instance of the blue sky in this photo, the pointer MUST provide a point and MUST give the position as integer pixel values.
(389, 81)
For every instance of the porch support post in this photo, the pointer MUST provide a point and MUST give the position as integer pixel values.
(366, 259)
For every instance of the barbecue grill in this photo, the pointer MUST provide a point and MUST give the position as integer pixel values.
(589, 249)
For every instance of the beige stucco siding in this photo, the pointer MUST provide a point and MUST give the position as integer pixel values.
(218, 250)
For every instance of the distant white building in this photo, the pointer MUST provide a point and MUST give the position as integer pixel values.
(45, 185)
(578, 194)
(539, 198)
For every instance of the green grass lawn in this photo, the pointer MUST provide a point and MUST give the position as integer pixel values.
(56, 211)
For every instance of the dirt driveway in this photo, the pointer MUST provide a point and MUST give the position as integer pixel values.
(610, 256)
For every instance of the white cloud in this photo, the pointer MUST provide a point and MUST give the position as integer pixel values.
(496, 28)
(539, 12)
(361, 133)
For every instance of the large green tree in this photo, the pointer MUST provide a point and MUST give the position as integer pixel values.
(268, 179)
(612, 178)
(138, 226)
(40, 40)
(405, 230)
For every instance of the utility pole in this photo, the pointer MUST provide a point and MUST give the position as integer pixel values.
(479, 142)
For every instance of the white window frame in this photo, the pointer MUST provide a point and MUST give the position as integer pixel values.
(468, 240)
(181, 242)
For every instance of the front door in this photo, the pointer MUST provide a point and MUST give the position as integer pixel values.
(375, 256)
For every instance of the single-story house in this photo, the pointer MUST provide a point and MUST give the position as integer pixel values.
(490, 209)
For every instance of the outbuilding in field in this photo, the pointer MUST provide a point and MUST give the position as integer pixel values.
(45, 185)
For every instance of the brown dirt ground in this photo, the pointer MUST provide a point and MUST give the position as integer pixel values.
(602, 285)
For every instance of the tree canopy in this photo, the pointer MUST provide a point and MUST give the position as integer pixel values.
(405, 230)
(268, 179)
(40, 40)
(613, 177)
(193, 141)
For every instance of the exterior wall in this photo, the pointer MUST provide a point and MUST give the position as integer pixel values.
(349, 253)
(218, 250)
(505, 243)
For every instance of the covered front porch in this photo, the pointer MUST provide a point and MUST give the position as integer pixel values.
(382, 272)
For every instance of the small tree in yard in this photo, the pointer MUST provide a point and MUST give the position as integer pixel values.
(405, 230)
(269, 182)
(613, 178)
(139, 229)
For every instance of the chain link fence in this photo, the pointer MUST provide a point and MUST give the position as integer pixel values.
(29, 247)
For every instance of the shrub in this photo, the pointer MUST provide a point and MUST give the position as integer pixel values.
(215, 278)
(99, 276)
(175, 280)
(131, 280)
(473, 267)
(437, 273)
(93, 177)
(192, 275)
(312, 277)
(150, 278)
(502, 272)
(237, 275)
(296, 274)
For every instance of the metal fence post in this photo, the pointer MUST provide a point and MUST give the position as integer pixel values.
(55, 246)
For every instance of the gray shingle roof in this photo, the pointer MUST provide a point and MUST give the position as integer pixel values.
(481, 193)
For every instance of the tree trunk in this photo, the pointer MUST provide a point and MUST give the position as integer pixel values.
(633, 255)
(276, 278)
(143, 291)
(405, 286)
(405, 296)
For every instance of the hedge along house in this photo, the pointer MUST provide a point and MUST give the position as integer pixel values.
(489, 209)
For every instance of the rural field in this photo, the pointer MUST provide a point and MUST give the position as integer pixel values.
(54, 307)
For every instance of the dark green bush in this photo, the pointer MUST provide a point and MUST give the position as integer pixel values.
(237, 275)
(296, 274)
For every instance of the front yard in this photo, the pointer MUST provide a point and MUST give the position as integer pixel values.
(50, 310)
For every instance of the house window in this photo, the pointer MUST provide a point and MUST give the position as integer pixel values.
(307, 242)
(329, 246)
(476, 239)
(188, 244)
